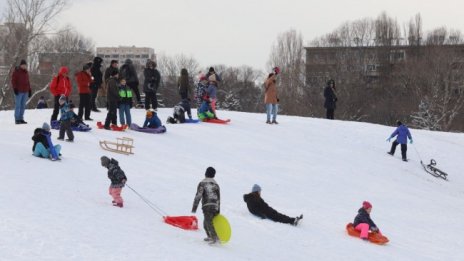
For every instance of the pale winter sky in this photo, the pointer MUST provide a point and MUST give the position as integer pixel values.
(236, 32)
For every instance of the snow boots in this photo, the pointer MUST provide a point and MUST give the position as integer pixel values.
(297, 220)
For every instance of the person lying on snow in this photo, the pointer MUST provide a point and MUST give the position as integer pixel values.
(41, 147)
(152, 120)
(179, 112)
(363, 222)
(118, 180)
(258, 207)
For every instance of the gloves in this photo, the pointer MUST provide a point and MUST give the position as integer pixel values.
(410, 141)
(374, 229)
(193, 211)
(15, 91)
(30, 93)
(389, 138)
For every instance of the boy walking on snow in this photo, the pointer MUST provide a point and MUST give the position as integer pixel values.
(208, 192)
(403, 134)
(117, 177)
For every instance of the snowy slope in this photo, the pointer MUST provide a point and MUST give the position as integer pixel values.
(323, 169)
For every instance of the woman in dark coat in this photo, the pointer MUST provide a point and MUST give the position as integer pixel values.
(330, 99)
(184, 85)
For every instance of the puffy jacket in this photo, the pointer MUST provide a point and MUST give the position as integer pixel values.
(270, 91)
(153, 122)
(209, 194)
(200, 94)
(364, 217)
(181, 108)
(61, 85)
(152, 79)
(40, 136)
(83, 80)
(112, 92)
(20, 80)
(116, 174)
(256, 205)
(66, 113)
(95, 70)
(128, 72)
(403, 134)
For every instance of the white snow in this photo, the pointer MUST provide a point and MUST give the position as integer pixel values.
(322, 169)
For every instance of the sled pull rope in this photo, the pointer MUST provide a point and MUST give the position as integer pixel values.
(414, 146)
(149, 203)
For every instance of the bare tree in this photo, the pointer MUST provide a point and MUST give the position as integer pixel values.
(26, 21)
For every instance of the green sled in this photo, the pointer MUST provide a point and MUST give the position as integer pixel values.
(222, 227)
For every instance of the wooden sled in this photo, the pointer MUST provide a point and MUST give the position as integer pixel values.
(122, 145)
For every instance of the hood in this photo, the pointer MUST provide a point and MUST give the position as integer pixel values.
(63, 70)
(97, 60)
(363, 211)
(149, 62)
(114, 162)
(128, 61)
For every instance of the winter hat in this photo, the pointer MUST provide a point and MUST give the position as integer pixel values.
(62, 98)
(367, 205)
(256, 188)
(399, 123)
(105, 161)
(149, 114)
(276, 70)
(46, 127)
(86, 67)
(211, 69)
(23, 62)
(210, 172)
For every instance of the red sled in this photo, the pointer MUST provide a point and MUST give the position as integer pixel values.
(373, 237)
(113, 127)
(184, 222)
(218, 121)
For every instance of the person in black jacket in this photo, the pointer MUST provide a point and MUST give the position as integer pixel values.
(209, 194)
(117, 177)
(114, 66)
(330, 99)
(151, 84)
(129, 73)
(258, 207)
(112, 96)
(95, 70)
(179, 112)
(363, 222)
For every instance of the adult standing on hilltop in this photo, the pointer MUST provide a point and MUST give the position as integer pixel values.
(97, 81)
(22, 90)
(151, 84)
(184, 85)
(60, 85)
(84, 80)
(330, 95)
(270, 96)
(129, 73)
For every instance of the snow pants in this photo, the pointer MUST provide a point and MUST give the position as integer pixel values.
(364, 229)
(404, 148)
(85, 105)
(116, 194)
(330, 114)
(150, 98)
(111, 117)
(273, 215)
(209, 212)
(65, 126)
(41, 151)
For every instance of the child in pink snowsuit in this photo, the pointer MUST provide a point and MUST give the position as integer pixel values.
(363, 222)
(117, 177)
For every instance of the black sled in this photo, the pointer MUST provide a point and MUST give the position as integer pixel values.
(432, 170)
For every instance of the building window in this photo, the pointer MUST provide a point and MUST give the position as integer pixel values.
(397, 56)
(115, 56)
(145, 56)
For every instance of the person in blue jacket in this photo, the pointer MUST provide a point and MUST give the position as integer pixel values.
(152, 120)
(402, 134)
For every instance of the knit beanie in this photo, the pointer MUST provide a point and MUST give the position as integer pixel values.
(256, 188)
(210, 172)
(46, 127)
(367, 205)
(23, 62)
(104, 161)
(211, 69)
(399, 123)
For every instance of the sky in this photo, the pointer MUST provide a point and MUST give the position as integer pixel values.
(238, 32)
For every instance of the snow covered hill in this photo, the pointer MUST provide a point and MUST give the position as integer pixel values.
(322, 169)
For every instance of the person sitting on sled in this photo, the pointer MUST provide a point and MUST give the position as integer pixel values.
(205, 111)
(76, 121)
(42, 141)
(258, 207)
(402, 133)
(363, 222)
(152, 120)
(117, 177)
(179, 112)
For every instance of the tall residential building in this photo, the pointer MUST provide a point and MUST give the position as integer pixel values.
(138, 55)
